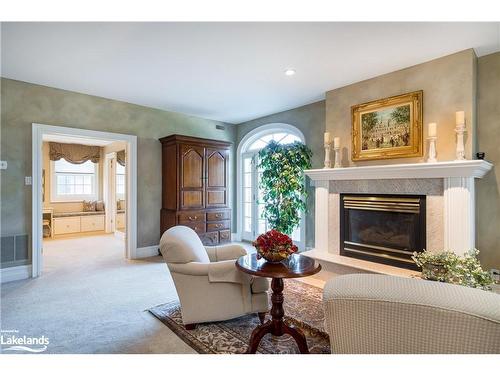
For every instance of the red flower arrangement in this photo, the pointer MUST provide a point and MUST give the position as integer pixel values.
(274, 246)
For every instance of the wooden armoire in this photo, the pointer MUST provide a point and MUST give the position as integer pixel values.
(195, 179)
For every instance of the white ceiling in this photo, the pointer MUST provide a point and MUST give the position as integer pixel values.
(230, 72)
(78, 140)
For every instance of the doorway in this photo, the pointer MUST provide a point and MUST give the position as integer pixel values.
(79, 184)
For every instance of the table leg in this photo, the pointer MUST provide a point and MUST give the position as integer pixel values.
(276, 326)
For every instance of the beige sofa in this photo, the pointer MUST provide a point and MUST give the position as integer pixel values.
(383, 314)
(209, 285)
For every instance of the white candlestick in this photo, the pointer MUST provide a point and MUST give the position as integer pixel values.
(432, 129)
(460, 118)
(328, 163)
(336, 142)
(432, 150)
(337, 155)
(460, 153)
(327, 138)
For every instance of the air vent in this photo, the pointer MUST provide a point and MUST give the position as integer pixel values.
(220, 127)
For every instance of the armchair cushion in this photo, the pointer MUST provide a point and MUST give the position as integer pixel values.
(225, 252)
(217, 272)
(181, 244)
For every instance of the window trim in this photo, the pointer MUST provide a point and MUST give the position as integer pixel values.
(124, 174)
(73, 197)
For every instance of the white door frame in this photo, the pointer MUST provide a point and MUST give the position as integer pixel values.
(109, 191)
(38, 130)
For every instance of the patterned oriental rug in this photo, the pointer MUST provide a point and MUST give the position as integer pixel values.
(303, 308)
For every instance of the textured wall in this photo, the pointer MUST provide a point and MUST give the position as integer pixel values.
(488, 140)
(310, 119)
(448, 84)
(23, 104)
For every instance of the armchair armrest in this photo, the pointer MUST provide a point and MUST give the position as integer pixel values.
(217, 272)
(225, 252)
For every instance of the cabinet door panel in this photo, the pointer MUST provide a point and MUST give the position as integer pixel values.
(216, 169)
(192, 166)
(192, 199)
(216, 175)
(192, 177)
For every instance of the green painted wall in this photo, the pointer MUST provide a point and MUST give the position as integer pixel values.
(24, 103)
(488, 141)
(310, 120)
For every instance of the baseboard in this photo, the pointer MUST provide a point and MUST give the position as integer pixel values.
(15, 273)
(145, 252)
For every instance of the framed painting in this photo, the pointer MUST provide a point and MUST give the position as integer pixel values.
(388, 128)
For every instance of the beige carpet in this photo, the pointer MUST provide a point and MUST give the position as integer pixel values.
(91, 300)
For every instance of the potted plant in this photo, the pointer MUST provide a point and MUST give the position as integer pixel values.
(446, 266)
(282, 183)
(274, 246)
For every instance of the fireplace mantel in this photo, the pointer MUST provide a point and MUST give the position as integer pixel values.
(444, 169)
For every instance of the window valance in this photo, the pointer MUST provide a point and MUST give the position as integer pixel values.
(120, 157)
(74, 153)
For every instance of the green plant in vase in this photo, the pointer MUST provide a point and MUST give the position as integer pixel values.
(282, 183)
(449, 267)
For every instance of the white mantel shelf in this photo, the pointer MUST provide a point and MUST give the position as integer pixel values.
(444, 169)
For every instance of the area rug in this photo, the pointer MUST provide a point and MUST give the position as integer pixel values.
(303, 308)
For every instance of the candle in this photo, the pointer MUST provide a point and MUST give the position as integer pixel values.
(460, 118)
(432, 129)
(336, 142)
(328, 137)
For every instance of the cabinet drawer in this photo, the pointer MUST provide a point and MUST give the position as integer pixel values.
(63, 225)
(210, 238)
(225, 235)
(218, 225)
(218, 215)
(191, 216)
(92, 223)
(198, 227)
(120, 220)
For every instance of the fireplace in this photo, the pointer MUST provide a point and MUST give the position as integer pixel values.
(382, 228)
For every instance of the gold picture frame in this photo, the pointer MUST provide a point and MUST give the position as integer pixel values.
(388, 128)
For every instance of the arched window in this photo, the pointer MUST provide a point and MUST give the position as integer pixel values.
(250, 205)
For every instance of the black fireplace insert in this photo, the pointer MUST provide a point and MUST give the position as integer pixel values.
(382, 228)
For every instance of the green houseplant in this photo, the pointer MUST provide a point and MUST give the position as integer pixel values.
(449, 267)
(282, 183)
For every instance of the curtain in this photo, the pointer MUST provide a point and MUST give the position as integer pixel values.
(74, 153)
(120, 157)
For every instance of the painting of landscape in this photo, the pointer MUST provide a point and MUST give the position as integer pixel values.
(386, 128)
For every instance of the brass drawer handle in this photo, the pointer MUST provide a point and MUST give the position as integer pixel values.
(218, 225)
(192, 218)
(218, 215)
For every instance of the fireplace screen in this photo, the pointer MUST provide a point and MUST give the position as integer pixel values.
(383, 228)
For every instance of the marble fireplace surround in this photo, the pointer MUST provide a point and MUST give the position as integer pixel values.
(448, 187)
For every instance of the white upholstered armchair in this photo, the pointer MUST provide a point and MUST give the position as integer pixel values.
(209, 285)
(366, 314)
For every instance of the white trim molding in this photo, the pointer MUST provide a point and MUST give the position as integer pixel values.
(38, 131)
(463, 168)
(146, 252)
(15, 273)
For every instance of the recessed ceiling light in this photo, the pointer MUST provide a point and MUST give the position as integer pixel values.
(290, 72)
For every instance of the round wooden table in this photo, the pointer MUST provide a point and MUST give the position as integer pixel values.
(295, 266)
